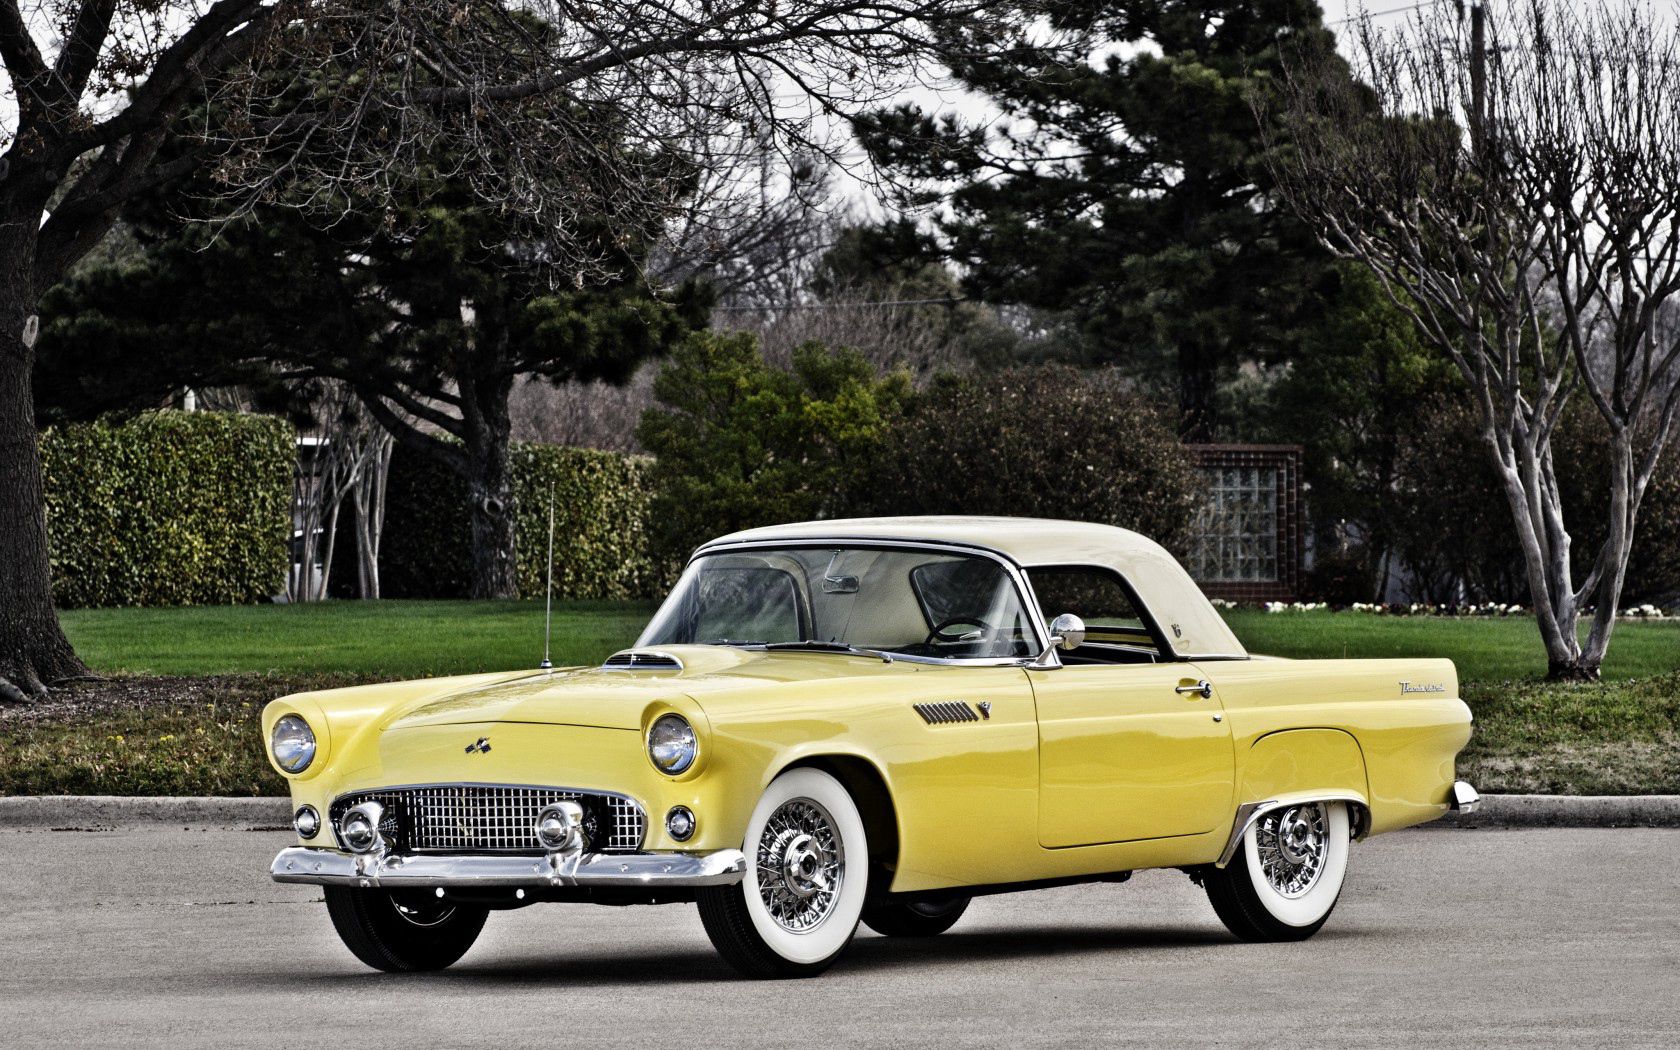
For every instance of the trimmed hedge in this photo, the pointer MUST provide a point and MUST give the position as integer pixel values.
(601, 544)
(169, 508)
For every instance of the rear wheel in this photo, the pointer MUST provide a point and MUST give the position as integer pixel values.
(915, 918)
(808, 869)
(1285, 879)
(404, 931)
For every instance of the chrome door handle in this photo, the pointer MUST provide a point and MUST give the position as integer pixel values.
(1204, 689)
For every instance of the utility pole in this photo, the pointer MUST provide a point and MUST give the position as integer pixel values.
(1478, 79)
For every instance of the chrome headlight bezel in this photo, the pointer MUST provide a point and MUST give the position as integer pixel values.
(359, 828)
(681, 823)
(301, 747)
(306, 822)
(672, 744)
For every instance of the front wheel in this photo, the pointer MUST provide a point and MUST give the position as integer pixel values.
(1284, 881)
(404, 931)
(807, 873)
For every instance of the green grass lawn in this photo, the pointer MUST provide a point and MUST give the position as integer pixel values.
(197, 734)
(414, 639)
(385, 640)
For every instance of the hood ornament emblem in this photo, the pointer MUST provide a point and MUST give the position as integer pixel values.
(481, 745)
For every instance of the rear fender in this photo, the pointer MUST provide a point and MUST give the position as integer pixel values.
(1293, 766)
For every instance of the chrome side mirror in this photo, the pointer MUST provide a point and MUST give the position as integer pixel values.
(1067, 631)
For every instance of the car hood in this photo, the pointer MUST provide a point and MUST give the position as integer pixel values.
(615, 698)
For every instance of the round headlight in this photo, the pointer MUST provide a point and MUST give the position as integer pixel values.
(671, 744)
(293, 744)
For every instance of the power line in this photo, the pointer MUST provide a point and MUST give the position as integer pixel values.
(942, 301)
(1382, 14)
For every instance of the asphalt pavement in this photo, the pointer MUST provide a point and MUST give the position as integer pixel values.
(160, 936)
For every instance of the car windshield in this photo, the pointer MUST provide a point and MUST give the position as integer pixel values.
(908, 602)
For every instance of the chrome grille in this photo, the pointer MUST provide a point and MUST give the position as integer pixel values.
(488, 818)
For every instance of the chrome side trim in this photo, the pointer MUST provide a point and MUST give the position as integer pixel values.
(1249, 812)
(1464, 798)
(946, 711)
(323, 867)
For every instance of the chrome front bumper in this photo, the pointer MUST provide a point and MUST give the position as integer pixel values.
(328, 867)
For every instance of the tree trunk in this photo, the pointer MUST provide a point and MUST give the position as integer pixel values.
(33, 650)
(330, 533)
(369, 497)
(1545, 552)
(1618, 544)
(491, 506)
(1198, 386)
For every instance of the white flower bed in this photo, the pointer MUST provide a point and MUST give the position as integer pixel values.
(1638, 612)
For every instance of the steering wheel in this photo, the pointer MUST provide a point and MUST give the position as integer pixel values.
(938, 633)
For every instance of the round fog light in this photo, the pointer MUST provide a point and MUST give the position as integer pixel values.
(679, 823)
(359, 827)
(307, 822)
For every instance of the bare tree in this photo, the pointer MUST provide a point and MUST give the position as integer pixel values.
(892, 325)
(754, 227)
(348, 456)
(585, 415)
(337, 104)
(1514, 183)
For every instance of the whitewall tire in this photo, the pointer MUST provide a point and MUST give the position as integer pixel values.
(807, 875)
(1287, 875)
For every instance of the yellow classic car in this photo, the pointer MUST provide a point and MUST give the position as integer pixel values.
(868, 720)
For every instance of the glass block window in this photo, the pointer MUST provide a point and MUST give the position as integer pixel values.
(1235, 536)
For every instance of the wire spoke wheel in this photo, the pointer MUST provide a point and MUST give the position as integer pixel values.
(799, 903)
(1286, 875)
(1292, 844)
(801, 865)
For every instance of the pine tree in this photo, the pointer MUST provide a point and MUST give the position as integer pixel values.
(1124, 185)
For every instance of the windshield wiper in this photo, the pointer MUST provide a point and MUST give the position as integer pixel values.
(815, 646)
(731, 641)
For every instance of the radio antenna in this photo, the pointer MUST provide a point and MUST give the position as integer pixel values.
(548, 591)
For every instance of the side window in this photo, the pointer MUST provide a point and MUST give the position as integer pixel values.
(1115, 629)
(973, 609)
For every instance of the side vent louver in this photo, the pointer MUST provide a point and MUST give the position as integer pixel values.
(642, 660)
(943, 713)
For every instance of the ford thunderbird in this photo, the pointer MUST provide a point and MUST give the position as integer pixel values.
(867, 721)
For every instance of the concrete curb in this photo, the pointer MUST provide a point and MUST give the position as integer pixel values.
(116, 810)
(1571, 811)
(1497, 811)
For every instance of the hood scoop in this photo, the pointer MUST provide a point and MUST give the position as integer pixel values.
(642, 660)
